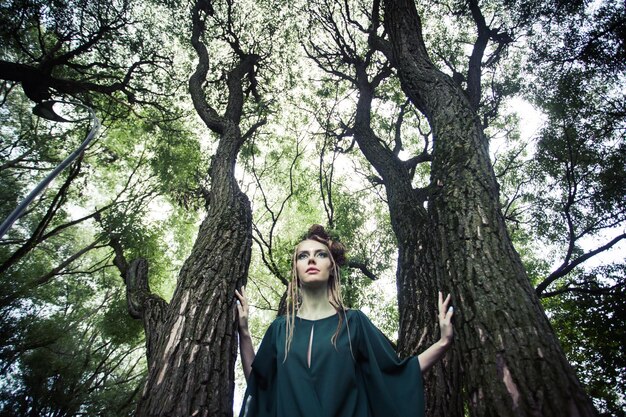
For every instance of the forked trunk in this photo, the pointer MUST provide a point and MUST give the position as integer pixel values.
(192, 366)
(512, 363)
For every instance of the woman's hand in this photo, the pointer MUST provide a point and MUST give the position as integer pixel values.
(436, 351)
(242, 310)
(445, 320)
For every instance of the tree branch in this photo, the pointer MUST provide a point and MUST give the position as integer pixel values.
(38, 234)
(363, 268)
(23, 292)
(568, 265)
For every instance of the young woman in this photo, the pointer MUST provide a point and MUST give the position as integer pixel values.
(322, 359)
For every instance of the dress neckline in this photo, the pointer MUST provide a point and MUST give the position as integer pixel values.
(345, 312)
(320, 319)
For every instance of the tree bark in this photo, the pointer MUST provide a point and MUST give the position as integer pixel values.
(191, 342)
(192, 370)
(512, 362)
(417, 278)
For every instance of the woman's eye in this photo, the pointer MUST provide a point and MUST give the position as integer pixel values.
(322, 255)
(302, 256)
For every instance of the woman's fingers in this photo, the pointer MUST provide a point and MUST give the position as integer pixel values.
(449, 314)
(443, 305)
(242, 302)
(446, 302)
(440, 301)
(241, 296)
(446, 311)
(242, 310)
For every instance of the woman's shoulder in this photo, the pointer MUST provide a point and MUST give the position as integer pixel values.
(359, 318)
(274, 329)
(355, 314)
(279, 320)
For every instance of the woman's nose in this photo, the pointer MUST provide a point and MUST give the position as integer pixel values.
(311, 259)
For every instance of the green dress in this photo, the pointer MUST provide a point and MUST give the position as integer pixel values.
(360, 377)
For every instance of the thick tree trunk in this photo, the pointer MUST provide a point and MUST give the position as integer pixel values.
(190, 343)
(192, 368)
(416, 277)
(192, 373)
(512, 362)
(192, 348)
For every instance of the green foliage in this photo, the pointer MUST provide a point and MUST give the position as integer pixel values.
(111, 55)
(69, 345)
(580, 159)
(117, 325)
(147, 172)
(581, 34)
(73, 370)
(178, 163)
(562, 205)
(591, 332)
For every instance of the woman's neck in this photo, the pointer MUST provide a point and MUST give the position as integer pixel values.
(315, 304)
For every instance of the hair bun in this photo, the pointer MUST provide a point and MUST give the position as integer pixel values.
(337, 249)
(318, 230)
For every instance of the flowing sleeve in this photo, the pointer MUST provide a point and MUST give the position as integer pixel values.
(261, 388)
(393, 387)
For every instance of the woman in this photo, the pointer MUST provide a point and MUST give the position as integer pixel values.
(322, 359)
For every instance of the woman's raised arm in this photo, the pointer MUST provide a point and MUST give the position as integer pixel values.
(245, 340)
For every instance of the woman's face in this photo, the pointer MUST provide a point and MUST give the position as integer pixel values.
(313, 263)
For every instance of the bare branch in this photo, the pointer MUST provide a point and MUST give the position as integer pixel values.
(363, 268)
(24, 291)
(580, 287)
(568, 265)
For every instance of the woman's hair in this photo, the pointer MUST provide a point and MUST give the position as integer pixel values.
(337, 253)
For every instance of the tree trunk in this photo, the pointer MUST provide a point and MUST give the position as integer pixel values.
(192, 370)
(512, 362)
(191, 342)
(417, 279)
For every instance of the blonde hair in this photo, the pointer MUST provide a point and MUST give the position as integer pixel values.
(336, 252)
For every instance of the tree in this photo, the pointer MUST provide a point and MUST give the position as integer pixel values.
(571, 208)
(59, 291)
(71, 361)
(55, 268)
(460, 239)
(467, 207)
(191, 346)
(85, 50)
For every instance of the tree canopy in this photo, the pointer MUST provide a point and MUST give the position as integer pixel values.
(242, 123)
